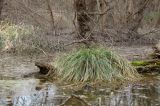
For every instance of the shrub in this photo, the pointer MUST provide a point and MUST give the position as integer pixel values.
(21, 38)
(12, 34)
(92, 64)
(26, 39)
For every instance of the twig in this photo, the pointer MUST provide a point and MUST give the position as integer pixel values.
(89, 34)
(78, 41)
(40, 50)
(145, 34)
(107, 2)
(140, 9)
(74, 97)
(51, 15)
(152, 31)
(100, 13)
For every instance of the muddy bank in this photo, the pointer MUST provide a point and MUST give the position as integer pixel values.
(134, 52)
(18, 66)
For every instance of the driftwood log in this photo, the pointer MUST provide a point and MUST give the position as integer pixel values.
(147, 66)
(156, 52)
(44, 68)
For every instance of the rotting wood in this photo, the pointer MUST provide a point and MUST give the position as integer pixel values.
(44, 67)
(147, 66)
(149, 69)
(156, 51)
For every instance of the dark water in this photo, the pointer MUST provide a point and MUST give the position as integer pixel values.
(32, 92)
(16, 91)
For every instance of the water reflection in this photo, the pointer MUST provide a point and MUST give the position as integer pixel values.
(26, 93)
(32, 93)
(38, 98)
(136, 95)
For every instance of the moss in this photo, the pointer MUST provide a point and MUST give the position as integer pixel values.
(145, 62)
(139, 63)
(147, 66)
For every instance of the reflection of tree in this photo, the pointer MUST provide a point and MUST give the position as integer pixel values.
(38, 98)
(135, 96)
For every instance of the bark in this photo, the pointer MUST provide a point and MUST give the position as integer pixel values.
(51, 16)
(82, 17)
(1, 7)
(158, 22)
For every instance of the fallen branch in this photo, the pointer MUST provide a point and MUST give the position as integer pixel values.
(147, 66)
(78, 41)
(99, 13)
(75, 100)
(150, 32)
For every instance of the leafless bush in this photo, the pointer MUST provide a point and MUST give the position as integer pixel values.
(108, 20)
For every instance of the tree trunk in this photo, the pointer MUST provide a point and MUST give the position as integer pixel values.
(158, 22)
(1, 7)
(82, 18)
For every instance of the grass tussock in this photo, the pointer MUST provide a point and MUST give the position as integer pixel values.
(94, 64)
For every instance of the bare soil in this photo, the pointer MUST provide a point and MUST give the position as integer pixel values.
(18, 66)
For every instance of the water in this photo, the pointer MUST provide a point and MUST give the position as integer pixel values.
(18, 91)
(26, 92)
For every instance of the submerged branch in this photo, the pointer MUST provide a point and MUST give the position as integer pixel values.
(75, 99)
